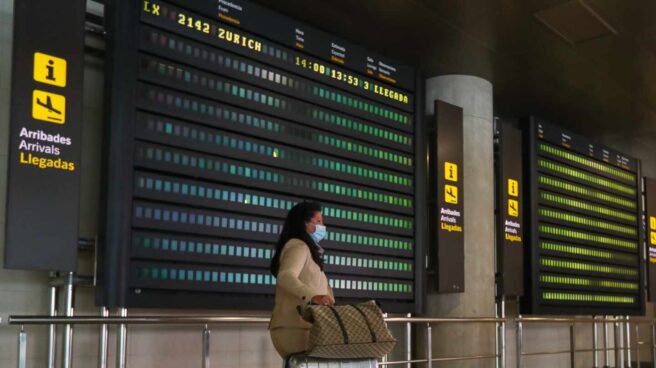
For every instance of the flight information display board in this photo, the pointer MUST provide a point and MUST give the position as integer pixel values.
(222, 116)
(585, 226)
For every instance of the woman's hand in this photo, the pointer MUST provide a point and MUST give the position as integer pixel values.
(323, 300)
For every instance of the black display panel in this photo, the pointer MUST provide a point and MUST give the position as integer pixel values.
(649, 186)
(585, 226)
(448, 211)
(45, 148)
(219, 122)
(510, 210)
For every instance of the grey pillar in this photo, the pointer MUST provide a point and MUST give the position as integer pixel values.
(474, 95)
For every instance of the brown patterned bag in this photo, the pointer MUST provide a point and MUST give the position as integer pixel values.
(349, 332)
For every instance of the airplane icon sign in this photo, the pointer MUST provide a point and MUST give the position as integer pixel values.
(49, 107)
(513, 208)
(451, 194)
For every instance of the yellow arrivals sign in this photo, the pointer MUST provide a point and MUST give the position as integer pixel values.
(49, 107)
(451, 194)
(513, 208)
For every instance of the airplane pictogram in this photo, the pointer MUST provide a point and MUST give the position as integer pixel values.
(513, 208)
(49, 107)
(451, 194)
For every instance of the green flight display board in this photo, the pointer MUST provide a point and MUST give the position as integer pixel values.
(585, 226)
(220, 120)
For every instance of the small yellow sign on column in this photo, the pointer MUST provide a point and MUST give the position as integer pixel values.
(450, 171)
(451, 194)
(49, 107)
(513, 208)
(513, 187)
(652, 222)
(49, 69)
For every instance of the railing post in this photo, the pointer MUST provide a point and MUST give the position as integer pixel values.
(497, 333)
(408, 341)
(572, 347)
(498, 338)
(628, 342)
(653, 344)
(429, 346)
(637, 348)
(618, 362)
(520, 341)
(104, 336)
(122, 341)
(595, 344)
(67, 355)
(384, 358)
(22, 348)
(206, 346)
(502, 353)
(606, 344)
(52, 330)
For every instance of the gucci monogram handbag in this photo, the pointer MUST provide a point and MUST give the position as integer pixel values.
(355, 331)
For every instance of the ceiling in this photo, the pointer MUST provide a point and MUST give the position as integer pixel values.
(603, 87)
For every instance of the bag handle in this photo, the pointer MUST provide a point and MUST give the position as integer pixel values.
(340, 323)
(366, 320)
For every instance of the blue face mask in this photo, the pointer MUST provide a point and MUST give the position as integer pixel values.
(319, 233)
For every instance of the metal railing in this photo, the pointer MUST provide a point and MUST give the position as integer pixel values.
(623, 327)
(621, 346)
(122, 321)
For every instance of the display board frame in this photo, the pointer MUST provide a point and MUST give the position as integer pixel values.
(531, 302)
(123, 94)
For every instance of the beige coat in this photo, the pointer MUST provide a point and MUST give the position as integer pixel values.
(299, 279)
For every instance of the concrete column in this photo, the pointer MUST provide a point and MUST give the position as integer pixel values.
(474, 95)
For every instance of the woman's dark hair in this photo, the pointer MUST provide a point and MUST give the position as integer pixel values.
(294, 227)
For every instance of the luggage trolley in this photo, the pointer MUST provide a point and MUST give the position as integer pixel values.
(304, 361)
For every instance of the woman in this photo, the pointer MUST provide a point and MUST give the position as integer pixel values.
(297, 265)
